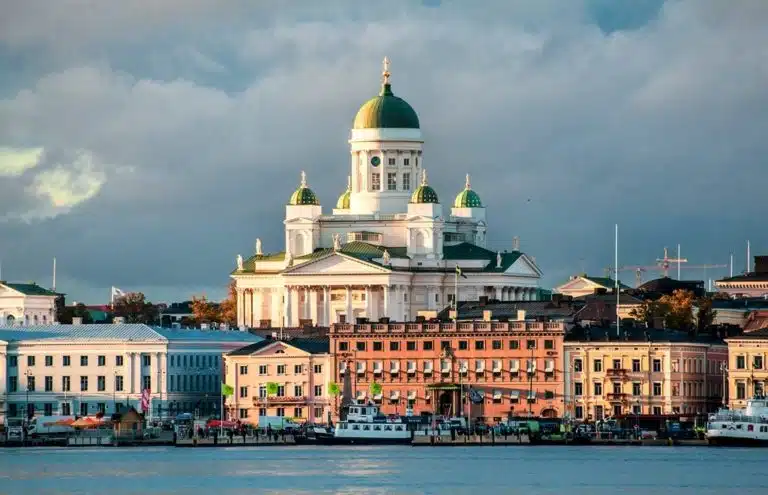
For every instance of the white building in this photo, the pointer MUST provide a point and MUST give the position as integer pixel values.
(26, 304)
(388, 248)
(84, 369)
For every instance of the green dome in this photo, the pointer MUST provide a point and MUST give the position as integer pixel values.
(386, 111)
(343, 202)
(424, 193)
(303, 195)
(467, 198)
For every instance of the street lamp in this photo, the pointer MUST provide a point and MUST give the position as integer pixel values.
(114, 390)
(28, 374)
(724, 372)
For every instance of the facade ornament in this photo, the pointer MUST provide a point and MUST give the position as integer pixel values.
(515, 243)
(288, 259)
(239, 261)
(385, 73)
(336, 242)
(498, 259)
(386, 258)
(258, 247)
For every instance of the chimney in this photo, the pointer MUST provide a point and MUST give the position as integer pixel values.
(483, 300)
(77, 320)
(520, 315)
(761, 265)
(487, 315)
(118, 320)
(515, 243)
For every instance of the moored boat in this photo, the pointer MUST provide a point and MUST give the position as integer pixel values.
(740, 427)
(364, 425)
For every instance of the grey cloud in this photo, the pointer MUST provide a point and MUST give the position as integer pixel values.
(564, 128)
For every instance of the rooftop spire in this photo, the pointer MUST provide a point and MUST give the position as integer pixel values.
(385, 73)
(349, 183)
(303, 179)
(466, 184)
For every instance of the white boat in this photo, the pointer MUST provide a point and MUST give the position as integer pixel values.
(748, 426)
(365, 425)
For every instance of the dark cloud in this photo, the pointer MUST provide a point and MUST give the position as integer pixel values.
(197, 120)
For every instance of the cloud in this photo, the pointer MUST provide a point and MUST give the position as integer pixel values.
(16, 161)
(198, 118)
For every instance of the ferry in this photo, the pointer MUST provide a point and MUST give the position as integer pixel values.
(740, 427)
(365, 425)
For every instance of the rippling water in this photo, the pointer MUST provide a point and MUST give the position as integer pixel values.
(385, 470)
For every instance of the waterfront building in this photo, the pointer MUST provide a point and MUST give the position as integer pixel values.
(751, 284)
(584, 285)
(512, 368)
(557, 309)
(641, 371)
(26, 304)
(300, 371)
(747, 373)
(84, 369)
(389, 248)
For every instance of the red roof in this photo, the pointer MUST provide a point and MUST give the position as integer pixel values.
(756, 320)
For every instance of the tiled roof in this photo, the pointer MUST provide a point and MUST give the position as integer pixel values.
(120, 332)
(468, 251)
(196, 335)
(761, 334)
(312, 346)
(637, 334)
(533, 309)
(30, 289)
(757, 320)
(606, 282)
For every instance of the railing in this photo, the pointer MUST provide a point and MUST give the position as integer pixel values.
(738, 418)
(616, 397)
(426, 327)
(280, 400)
(616, 371)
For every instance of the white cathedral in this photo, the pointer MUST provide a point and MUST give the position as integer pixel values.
(388, 250)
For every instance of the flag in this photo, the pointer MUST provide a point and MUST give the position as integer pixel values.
(227, 390)
(459, 272)
(115, 292)
(145, 399)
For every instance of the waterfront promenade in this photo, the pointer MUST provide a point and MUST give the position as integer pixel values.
(237, 440)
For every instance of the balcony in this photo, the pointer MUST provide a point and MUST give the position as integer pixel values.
(617, 397)
(257, 401)
(617, 372)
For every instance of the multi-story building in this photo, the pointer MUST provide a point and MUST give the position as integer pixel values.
(754, 283)
(84, 369)
(26, 304)
(506, 368)
(641, 371)
(747, 369)
(298, 369)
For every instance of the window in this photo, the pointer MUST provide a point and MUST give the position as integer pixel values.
(657, 365)
(243, 413)
(598, 388)
(656, 389)
(102, 360)
(360, 346)
(262, 411)
(392, 161)
(636, 365)
(463, 345)
(617, 364)
(13, 384)
(392, 181)
(530, 344)
(145, 361)
(318, 390)
(378, 346)
(31, 383)
(263, 370)
(280, 369)
(578, 365)
(48, 409)
(48, 383)
(549, 344)
(65, 360)
(118, 360)
(49, 360)
(318, 368)
(479, 345)
(343, 346)
(145, 382)
(298, 369)
(598, 412)
(514, 344)
(394, 346)
(496, 345)
(428, 345)
(101, 383)
(119, 383)
(597, 365)
(375, 181)
(83, 409)
(298, 412)
(318, 412)
(445, 344)
(66, 384)
(298, 391)
(280, 411)
(741, 390)
(83, 383)
(741, 362)
(616, 388)
(657, 410)
(30, 360)
(578, 389)
(83, 360)
(406, 180)
(636, 409)
(410, 345)
(579, 412)
(636, 391)
(262, 391)
(243, 369)
(757, 362)
(13, 361)
(548, 394)
(281, 391)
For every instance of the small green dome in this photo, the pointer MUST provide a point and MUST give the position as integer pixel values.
(343, 202)
(303, 195)
(386, 110)
(467, 198)
(424, 193)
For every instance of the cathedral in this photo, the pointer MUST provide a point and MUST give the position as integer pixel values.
(388, 249)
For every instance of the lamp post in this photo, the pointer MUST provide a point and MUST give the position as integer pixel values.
(28, 374)
(724, 372)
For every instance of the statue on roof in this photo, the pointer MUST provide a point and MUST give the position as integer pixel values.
(336, 242)
(239, 261)
(498, 259)
(258, 247)
(288, 258)
(386, 258)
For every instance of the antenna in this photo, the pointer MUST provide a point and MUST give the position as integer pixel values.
(731, 265)
(678, 261)
(53, 287)
(748, 256)
(616, 276)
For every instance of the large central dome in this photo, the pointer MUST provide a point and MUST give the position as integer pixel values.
(386, 110)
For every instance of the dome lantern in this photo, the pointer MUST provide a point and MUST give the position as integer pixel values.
(386, 110)
(424, 193)
(467, 198)
(303, 195)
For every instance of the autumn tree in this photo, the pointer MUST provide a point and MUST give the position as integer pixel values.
(676, 310)
(205, 311)
(134, 308)
(228, 307)
(649, 311)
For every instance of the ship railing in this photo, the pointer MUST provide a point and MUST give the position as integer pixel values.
(738, 418)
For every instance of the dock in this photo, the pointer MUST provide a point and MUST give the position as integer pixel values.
(237, 441)
(469, 440)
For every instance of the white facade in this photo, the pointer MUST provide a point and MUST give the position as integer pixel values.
(386, 252)
(84, 369)
(26, 304)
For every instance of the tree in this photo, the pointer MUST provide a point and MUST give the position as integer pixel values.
(676, 310)
(134, 308)
(228, 307)
(77, 311)
(649, 312)
(204, 311)
(705, 317)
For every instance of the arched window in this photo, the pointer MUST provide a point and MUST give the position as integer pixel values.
(299, 244)
(419, 242)
(10, 320)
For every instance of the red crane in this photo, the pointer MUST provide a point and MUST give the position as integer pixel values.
(663, 265)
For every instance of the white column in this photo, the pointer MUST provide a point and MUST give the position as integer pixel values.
(313, 306)
(164, 373)
(385, 288)
(350, 318)
(497, 293)
(154, 372)
(327, 306)
(296, 311)
(287, 313)
(137, 385)
(405, 302)
(258, 305)
(368, 303)
(276, 307)
(240, 312)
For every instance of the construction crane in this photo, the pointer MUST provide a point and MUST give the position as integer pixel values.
(663, 265)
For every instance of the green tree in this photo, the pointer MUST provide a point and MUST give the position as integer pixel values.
(134, 308)
(675, 310)
(705, 317)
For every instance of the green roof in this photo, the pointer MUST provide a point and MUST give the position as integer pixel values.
(386, 111)
(343, 202)
(424, 194)
(468, 251)
(30, 289)
(467, 199)
(303, 196)
(360, 250)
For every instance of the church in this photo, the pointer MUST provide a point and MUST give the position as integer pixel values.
(389, 249)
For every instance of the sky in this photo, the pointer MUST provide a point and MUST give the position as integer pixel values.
(145, 144)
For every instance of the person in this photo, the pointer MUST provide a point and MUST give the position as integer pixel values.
(242, 430)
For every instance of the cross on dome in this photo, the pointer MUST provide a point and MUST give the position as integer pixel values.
(423, 176)
(303, 179)
(385, 73)
(466, 184)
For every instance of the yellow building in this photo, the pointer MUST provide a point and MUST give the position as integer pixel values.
(641, 371)
(747, 375)
(300, 370)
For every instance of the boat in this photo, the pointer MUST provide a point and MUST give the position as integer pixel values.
(364, 425)
(740, 427)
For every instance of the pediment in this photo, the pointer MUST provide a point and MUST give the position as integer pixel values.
(7, 291)
(524, 266)
(279, 349)
(336, 264)
(578, 284)
(299, 221)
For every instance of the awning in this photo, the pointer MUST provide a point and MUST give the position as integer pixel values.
(531, 367)
(531, 395)
(412, 395)
(377, 397)
(342, 366)
(514, 394)
(394, 367)
(360, 394)
(479, 366)
(496, 366)
(445, 366)
(442, 386)
(463, 366)
(378, 366)
(394, 395)
(428, 366)
(411, 367)
(549, 366)
(360, 366)
(514, 365)
(497, 394)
